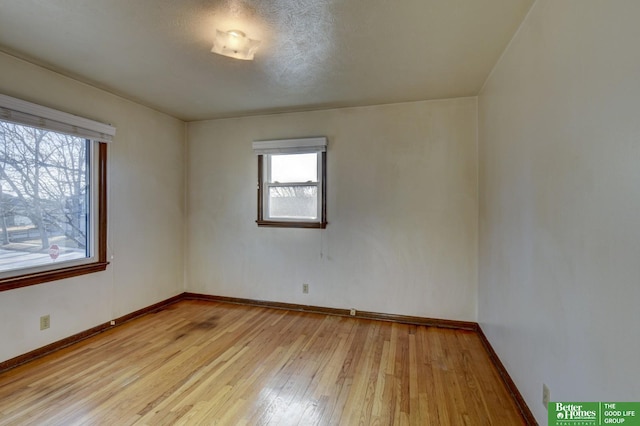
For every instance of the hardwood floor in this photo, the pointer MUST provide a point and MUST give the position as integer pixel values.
(214, 363)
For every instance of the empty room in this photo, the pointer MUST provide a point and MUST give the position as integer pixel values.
(319, 212)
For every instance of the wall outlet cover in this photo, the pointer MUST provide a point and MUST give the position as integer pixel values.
(45, 322)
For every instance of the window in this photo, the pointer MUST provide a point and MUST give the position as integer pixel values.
(292, 182)
(52, 194)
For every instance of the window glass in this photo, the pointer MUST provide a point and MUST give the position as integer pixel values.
(294, 168)
(44, 197)
(293, 202)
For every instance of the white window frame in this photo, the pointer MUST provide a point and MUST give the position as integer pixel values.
(268, 184)
(265, 150)
(92, 247)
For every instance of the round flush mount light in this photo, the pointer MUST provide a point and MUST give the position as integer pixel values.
(235, 44)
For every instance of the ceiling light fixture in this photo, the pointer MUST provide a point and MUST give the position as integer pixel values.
(234, 44)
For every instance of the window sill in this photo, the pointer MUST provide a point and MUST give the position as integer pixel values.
(57, 274)
(288, 224)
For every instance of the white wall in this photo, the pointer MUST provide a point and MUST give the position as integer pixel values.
(559, 158)
(402, 211)
(146, 205)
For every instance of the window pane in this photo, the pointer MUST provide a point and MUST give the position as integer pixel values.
(44, 197)
(294, 168)
(293, 202)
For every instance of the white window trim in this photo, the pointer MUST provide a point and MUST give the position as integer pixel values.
(268, 184)
(34, 115)
(290, 146)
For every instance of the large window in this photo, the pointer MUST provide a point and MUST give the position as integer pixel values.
(292, 182)
(52, 194)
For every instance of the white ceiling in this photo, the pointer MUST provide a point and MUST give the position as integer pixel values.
(314, 53)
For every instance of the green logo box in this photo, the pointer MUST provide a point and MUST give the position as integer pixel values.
(594, 413)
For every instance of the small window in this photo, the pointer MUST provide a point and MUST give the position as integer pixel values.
(292, 183)
(52, 194)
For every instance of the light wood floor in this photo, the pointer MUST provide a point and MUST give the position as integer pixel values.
(213, 363)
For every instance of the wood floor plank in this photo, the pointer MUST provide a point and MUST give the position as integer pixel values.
(203, 362)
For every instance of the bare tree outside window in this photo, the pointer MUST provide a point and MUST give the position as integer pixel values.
(44, 196)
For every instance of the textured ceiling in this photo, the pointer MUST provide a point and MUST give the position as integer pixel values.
(314, 53)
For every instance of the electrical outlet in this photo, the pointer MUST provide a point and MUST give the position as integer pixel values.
(545, 396)
(45, 322)
(352, 312)
(305, 288)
